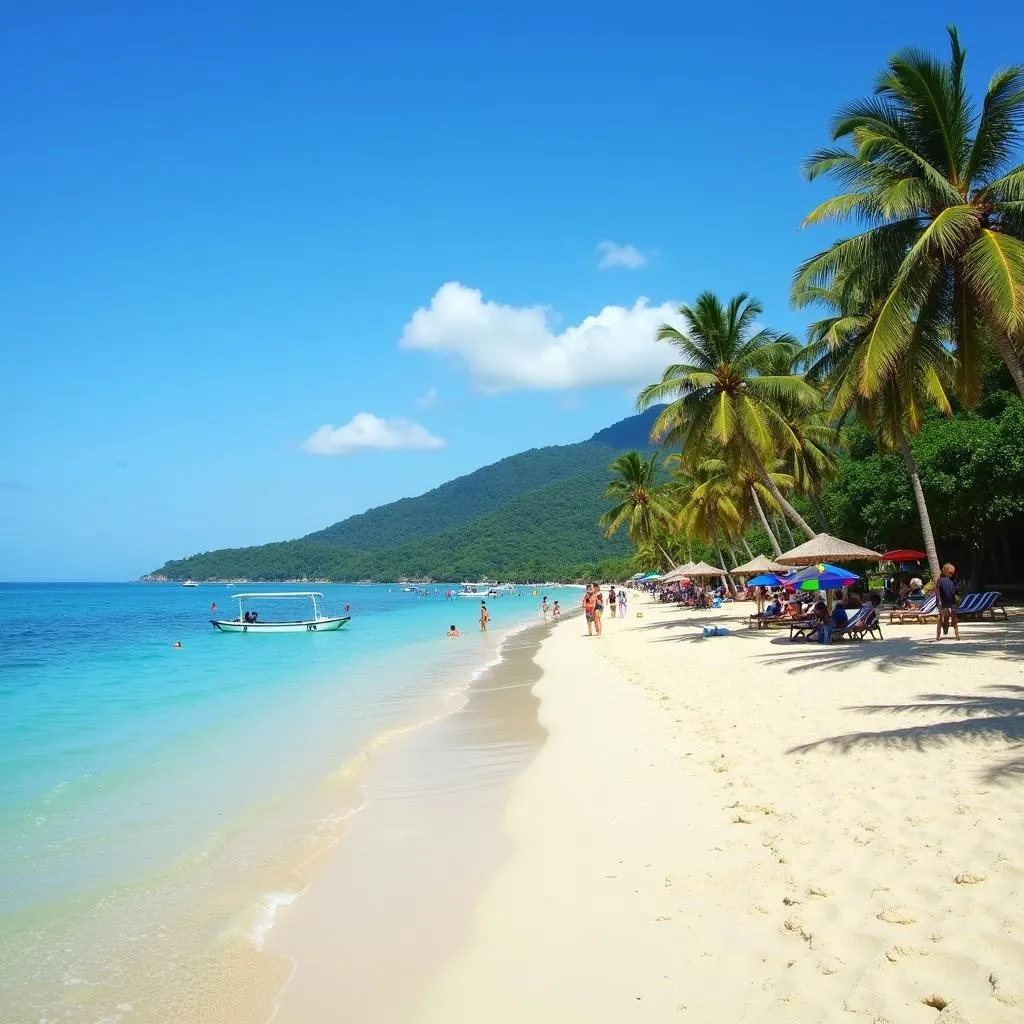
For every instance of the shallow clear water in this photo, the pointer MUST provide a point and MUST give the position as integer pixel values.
(151, 797)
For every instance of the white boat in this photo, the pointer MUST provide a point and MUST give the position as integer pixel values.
(249, 621)
(190, 583)
(472, 590)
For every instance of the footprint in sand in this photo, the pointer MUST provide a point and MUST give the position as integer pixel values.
(896, 915)
(1000, 992)
(795, 926)
(898, 953)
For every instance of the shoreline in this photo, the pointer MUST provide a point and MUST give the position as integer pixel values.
(737, 828)
(395, 893)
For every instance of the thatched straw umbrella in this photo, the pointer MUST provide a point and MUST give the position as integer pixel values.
(677, 573)
(826, 548)
(759, 564)
(700, 569)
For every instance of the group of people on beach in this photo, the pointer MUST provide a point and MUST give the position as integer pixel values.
(593, 606)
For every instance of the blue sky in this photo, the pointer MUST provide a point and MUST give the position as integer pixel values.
(221, 220)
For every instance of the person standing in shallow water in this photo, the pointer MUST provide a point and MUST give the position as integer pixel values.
(544, 608)
(485, 616)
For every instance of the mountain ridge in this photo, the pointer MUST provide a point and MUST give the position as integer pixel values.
(536, 510)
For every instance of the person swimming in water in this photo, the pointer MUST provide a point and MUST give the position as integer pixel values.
(452, 631)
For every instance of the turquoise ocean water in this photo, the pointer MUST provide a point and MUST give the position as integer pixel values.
(158, 804)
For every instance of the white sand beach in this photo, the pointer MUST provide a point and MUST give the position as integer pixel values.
(743, 829)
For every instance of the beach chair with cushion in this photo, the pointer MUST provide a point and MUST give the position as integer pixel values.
(987, 604)
(929, 609)
(854, 622)
(969, 604)
(868, 622)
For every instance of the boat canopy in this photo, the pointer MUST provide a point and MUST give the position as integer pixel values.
(293, 593)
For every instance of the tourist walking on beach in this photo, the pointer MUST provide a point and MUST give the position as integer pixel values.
(622, 602)
(945, 593)
(612, 601)
(598, 607)
(588, 608)
(544, 608)
(485, 616)
(556, 612)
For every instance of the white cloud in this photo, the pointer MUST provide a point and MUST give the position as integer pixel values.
(365, 430)
(509, 347)
(615, 255)
(428, 398)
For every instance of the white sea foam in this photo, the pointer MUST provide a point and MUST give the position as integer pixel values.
(266, 915)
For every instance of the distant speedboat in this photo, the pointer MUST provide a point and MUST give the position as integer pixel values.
(190, 583)
(249, 621)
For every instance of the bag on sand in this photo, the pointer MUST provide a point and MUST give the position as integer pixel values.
(716, 631)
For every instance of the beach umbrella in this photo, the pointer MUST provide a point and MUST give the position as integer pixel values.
(680, 572)
(767, 579)
(637, 576)
(826, 548)
(701, 569)
(652, 576)
(903, 555)
(821, 577)
(760, 563)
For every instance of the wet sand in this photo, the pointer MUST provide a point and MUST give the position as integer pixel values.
(392, 901)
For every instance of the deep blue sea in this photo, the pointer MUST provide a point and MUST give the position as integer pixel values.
(154, 801)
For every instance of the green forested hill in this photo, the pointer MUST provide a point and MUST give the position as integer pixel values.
(530, 516)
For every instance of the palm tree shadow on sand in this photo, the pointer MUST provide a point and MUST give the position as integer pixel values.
(893, 653)
(993, 715)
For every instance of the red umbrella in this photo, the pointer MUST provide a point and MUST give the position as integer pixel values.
(903, 555)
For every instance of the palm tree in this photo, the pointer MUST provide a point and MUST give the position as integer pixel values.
(722, 395)
(811, 461)
(839, 346)
(748, 494)
(710, 511)
(934, 183)
(641, 503)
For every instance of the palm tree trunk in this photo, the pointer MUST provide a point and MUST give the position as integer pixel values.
(764, 522)
(1012, 358)
(727, 578)
(788, 531)
(922, 507)
(665, 554)
(819, 511)
(746, 547)
(788, 510)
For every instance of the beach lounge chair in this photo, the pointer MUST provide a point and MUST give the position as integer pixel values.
(927, 610)
(866, 622)
(763, 621)
(986, 604)
(803, 629)
(969, 605)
